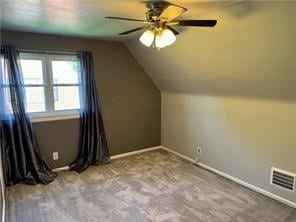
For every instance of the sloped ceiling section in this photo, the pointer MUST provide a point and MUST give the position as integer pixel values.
(251, 52)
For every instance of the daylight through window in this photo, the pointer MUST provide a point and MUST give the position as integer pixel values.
(52, 84)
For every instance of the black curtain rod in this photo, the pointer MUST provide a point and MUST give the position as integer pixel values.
(47, 52)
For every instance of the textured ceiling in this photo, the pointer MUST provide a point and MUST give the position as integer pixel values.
(86, 17)
(251, 52)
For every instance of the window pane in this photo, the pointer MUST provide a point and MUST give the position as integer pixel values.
(5, 101)
(32, 71)
(66, 97)
(3, 75)
(65, 72)
(35, 99)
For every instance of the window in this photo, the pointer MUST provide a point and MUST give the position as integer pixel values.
(5, 89)
(52, 84)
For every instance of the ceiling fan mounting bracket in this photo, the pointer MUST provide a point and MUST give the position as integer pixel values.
(155, 9)
(157, 4)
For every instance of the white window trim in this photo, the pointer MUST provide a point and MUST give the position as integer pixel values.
(54, 118)
(50, 114)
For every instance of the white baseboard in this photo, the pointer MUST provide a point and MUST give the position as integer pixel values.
(250, 186)
(234, 179)
(59, 169)
(178, 154)
(135, 152)
(65, 168)
(218, 172)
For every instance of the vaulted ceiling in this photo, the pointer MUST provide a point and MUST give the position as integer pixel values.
(251, 51)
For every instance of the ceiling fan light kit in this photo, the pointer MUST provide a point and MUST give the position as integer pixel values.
(164, 38)
(158, 39)
(147, 38)
(160, 18)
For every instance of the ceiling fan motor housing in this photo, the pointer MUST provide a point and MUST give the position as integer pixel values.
(161, 15)
(155, 9)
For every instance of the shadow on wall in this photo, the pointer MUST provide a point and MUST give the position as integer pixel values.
(243, 9)
(238, 9)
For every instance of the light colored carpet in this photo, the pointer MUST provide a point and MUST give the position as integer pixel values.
(154, 186)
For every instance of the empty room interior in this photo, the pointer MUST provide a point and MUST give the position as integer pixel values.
(148, 111)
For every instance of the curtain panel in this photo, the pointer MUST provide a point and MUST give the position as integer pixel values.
(93, 147)
(22, 160)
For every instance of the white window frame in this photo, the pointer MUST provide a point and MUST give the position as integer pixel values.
(50, 113)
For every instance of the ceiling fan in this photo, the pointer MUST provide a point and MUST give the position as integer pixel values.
(160, 19)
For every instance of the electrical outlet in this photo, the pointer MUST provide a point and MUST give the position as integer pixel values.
(55, 155)
(198, 153)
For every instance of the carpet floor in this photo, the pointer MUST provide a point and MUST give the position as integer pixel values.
(153, 186)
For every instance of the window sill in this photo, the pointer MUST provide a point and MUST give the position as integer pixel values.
(54, 118)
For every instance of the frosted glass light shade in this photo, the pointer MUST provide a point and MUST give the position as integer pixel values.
(165, 38)
(159, 43)
(147, 38)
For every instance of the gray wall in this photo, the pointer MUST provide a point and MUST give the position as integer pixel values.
(130, 100)
(243, 137)
(231, 89)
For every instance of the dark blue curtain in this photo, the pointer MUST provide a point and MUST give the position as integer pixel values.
(93, 147)
(20, 152)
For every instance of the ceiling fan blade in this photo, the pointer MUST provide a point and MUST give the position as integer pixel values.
(203, 23)
(128, 19)
(173, 30)
(132, 30)
(172, 12)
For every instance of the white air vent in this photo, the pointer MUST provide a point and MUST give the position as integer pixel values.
(282, 179)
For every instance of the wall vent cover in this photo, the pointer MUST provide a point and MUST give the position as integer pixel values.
(283, 179)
